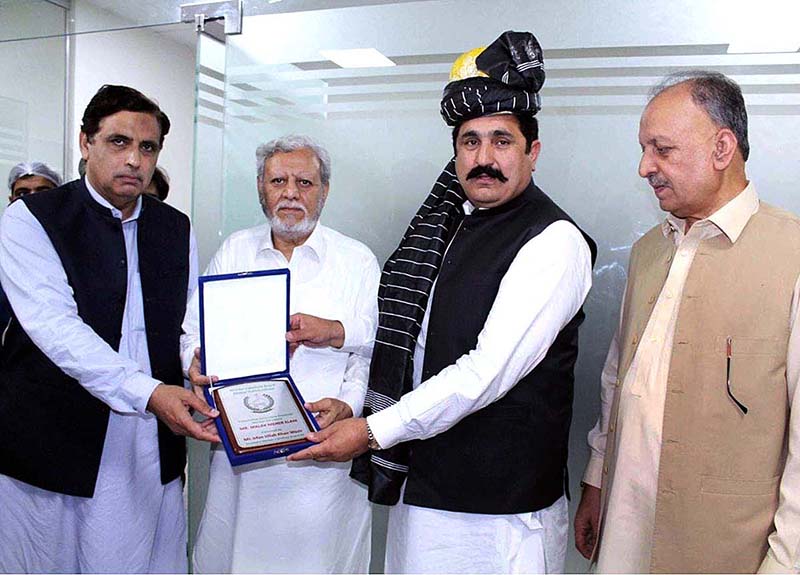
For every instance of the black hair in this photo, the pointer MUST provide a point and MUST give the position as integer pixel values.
(111, 99)
(161, 183)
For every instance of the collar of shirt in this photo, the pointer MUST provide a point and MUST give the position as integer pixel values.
(314, 245)
(730, 219)
(106, 204)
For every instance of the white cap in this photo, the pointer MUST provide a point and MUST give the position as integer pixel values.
(32, 169)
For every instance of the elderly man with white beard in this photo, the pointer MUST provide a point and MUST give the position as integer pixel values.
(276, 516)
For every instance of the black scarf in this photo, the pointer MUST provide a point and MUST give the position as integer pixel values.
(406, 284)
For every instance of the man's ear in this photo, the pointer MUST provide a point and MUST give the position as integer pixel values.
(84, 145)
(725, 147)
(536, 147)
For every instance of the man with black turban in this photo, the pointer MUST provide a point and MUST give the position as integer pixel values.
(470, 395)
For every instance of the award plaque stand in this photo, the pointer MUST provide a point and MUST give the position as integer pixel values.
(243, 323)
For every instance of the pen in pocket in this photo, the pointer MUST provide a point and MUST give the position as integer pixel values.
(728, 354)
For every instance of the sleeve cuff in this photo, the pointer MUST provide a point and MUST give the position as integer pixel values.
(355, 399)
(138, 389)
(353, 338)
(771, 565)
(594, 471)
(187, 355)
(387, 427)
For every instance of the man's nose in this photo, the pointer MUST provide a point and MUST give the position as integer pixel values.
(134, 158)
(485, 155)
(290, 191)
(646, 165)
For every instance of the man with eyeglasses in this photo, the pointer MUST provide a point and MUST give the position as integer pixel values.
(23, 179)
(30, 177)
(695, 464)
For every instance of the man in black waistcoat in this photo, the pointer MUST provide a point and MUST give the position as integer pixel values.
(92, 405)
(470, 392)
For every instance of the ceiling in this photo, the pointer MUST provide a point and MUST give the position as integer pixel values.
(169, 11)
(596, 63)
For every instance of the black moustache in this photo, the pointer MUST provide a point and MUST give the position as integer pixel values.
(478, 171)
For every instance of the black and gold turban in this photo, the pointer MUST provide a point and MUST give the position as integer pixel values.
(506, 76)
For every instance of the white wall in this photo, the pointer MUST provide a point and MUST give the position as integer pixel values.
(149, 61)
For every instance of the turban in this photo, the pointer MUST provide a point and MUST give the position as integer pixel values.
(506, 76)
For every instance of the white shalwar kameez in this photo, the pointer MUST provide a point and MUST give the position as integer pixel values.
(299, 517)
(542, 290)
(133, 523)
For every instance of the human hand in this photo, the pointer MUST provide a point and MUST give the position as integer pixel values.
(587, 519)
(171, 404)
(329, 410)
(342, 441)
(314, 331)
(196, 377)
(210, 425)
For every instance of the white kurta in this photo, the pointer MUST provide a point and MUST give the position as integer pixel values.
(133, 523)
(277, 516)
(542, 290)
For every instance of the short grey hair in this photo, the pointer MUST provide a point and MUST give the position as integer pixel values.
(719, 96)
(24, 169)
(292, 143)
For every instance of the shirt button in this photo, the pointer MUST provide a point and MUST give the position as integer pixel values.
(612, 427)
(668, 295)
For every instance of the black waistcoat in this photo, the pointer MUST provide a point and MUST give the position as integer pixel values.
(511, 456)
(51, 429)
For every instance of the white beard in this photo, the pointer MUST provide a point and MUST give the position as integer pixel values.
(292, 230)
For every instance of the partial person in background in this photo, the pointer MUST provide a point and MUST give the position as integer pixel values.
(23, 179)
(29, 177)
(695, 458)
(470, 397)
(276, 516)
(159, 184)
(92, 403)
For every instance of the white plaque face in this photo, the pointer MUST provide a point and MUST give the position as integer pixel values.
(244, 326)
(261, 415)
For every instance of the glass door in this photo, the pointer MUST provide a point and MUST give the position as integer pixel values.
(284, 74)
(33, 60)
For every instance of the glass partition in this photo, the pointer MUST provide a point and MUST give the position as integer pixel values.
(33, 90)
(388, 143)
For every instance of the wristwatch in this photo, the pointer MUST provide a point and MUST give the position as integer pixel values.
(372, 443)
